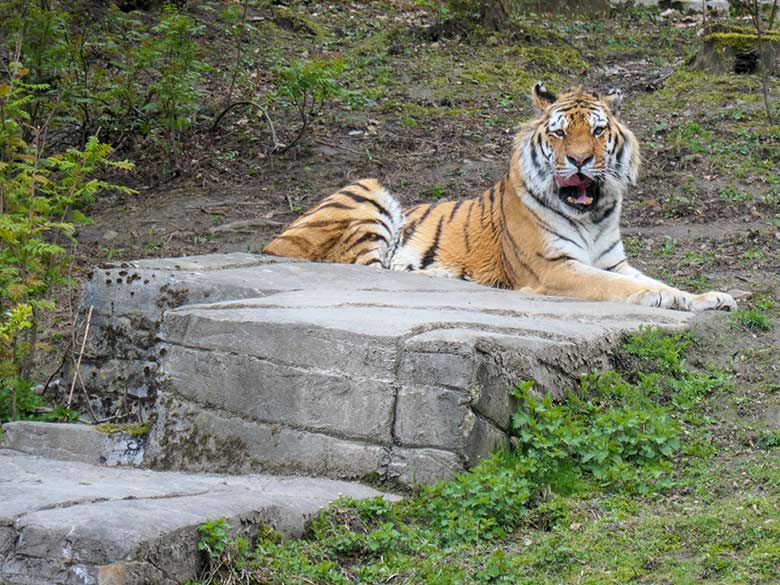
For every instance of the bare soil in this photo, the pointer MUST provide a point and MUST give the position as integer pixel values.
(430, 107)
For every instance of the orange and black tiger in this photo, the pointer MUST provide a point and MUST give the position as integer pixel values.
(549, 226)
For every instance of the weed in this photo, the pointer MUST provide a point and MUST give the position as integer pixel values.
(668, 246)
(735, 195)
(436, 192)
(753, 254)
(214, 540)
(633, 246)
(751, 319)
(769, 440)
(307, 85)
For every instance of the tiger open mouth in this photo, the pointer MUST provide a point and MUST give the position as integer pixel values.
(578, 191)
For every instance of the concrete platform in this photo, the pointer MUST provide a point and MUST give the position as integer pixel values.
(70, 522)
(248, 363)
(74, 442)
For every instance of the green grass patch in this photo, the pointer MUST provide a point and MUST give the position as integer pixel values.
(751, 319)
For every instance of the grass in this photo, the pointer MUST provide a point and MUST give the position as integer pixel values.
(625, 481)
(751, 319)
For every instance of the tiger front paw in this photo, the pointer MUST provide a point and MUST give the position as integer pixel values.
(713, 301)
(665, 298)
(677, 300)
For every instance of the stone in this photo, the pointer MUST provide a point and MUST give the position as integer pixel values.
(248, 363)
(689, 6)
(73, 442)
(70, 522)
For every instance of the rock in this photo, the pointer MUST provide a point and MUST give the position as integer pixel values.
(735, 49)
(250, 363)
(69, 522)
(72, 442)
(685, 6)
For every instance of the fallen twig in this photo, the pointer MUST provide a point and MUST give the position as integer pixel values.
(81, 354)
(277, 147)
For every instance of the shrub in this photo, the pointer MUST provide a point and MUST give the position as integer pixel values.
(41, 197)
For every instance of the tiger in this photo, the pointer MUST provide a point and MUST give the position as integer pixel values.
(550, 225)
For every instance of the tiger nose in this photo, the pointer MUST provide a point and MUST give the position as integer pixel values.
(579, 160)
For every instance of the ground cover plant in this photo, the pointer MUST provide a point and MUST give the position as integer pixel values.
(612, 484)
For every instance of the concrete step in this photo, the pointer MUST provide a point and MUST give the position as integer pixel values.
(250, 363)
(74, 442)
(70, 522)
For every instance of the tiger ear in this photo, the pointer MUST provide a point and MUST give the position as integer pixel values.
(541, 97)
(613, 100)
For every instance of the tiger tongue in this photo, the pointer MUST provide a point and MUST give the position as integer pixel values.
(582, 183)
(582, 194)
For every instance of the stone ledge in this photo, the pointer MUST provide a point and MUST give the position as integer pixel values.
(249, 363)
(73, 442)
(68, 522)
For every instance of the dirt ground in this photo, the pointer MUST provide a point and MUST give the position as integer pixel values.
(429, 105)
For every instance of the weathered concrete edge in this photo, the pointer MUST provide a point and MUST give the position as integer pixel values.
(73, 442)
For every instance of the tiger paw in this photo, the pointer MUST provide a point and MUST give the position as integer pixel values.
(666, 298)
(713, 301)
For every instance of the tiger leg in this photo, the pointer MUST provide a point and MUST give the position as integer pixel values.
(359, 224)
(362, 242)
(701, 302)
(578, 280)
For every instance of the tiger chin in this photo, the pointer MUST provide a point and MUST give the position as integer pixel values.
(549, 226)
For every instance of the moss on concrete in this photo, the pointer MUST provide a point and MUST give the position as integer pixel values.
(739, 41)
(132, 429)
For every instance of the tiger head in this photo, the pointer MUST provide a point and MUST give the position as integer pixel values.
(576, 155)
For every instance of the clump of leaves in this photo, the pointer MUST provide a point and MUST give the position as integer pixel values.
(598, 433)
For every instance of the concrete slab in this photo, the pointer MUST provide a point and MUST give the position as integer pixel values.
(70, 522)
(249, 363)
(74, 442)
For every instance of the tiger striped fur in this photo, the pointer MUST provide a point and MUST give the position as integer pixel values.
(549, 226)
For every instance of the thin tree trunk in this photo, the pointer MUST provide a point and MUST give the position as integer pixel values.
(495, 15)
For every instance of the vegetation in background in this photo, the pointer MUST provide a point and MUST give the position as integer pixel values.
(562, 503)
(42, 197)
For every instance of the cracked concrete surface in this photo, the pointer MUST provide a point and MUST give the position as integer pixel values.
(70, 522)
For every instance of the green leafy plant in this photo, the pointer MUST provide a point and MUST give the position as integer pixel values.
(751, 319)
(41, 198)
(306, 86)
(174, 56)
(616, 441)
